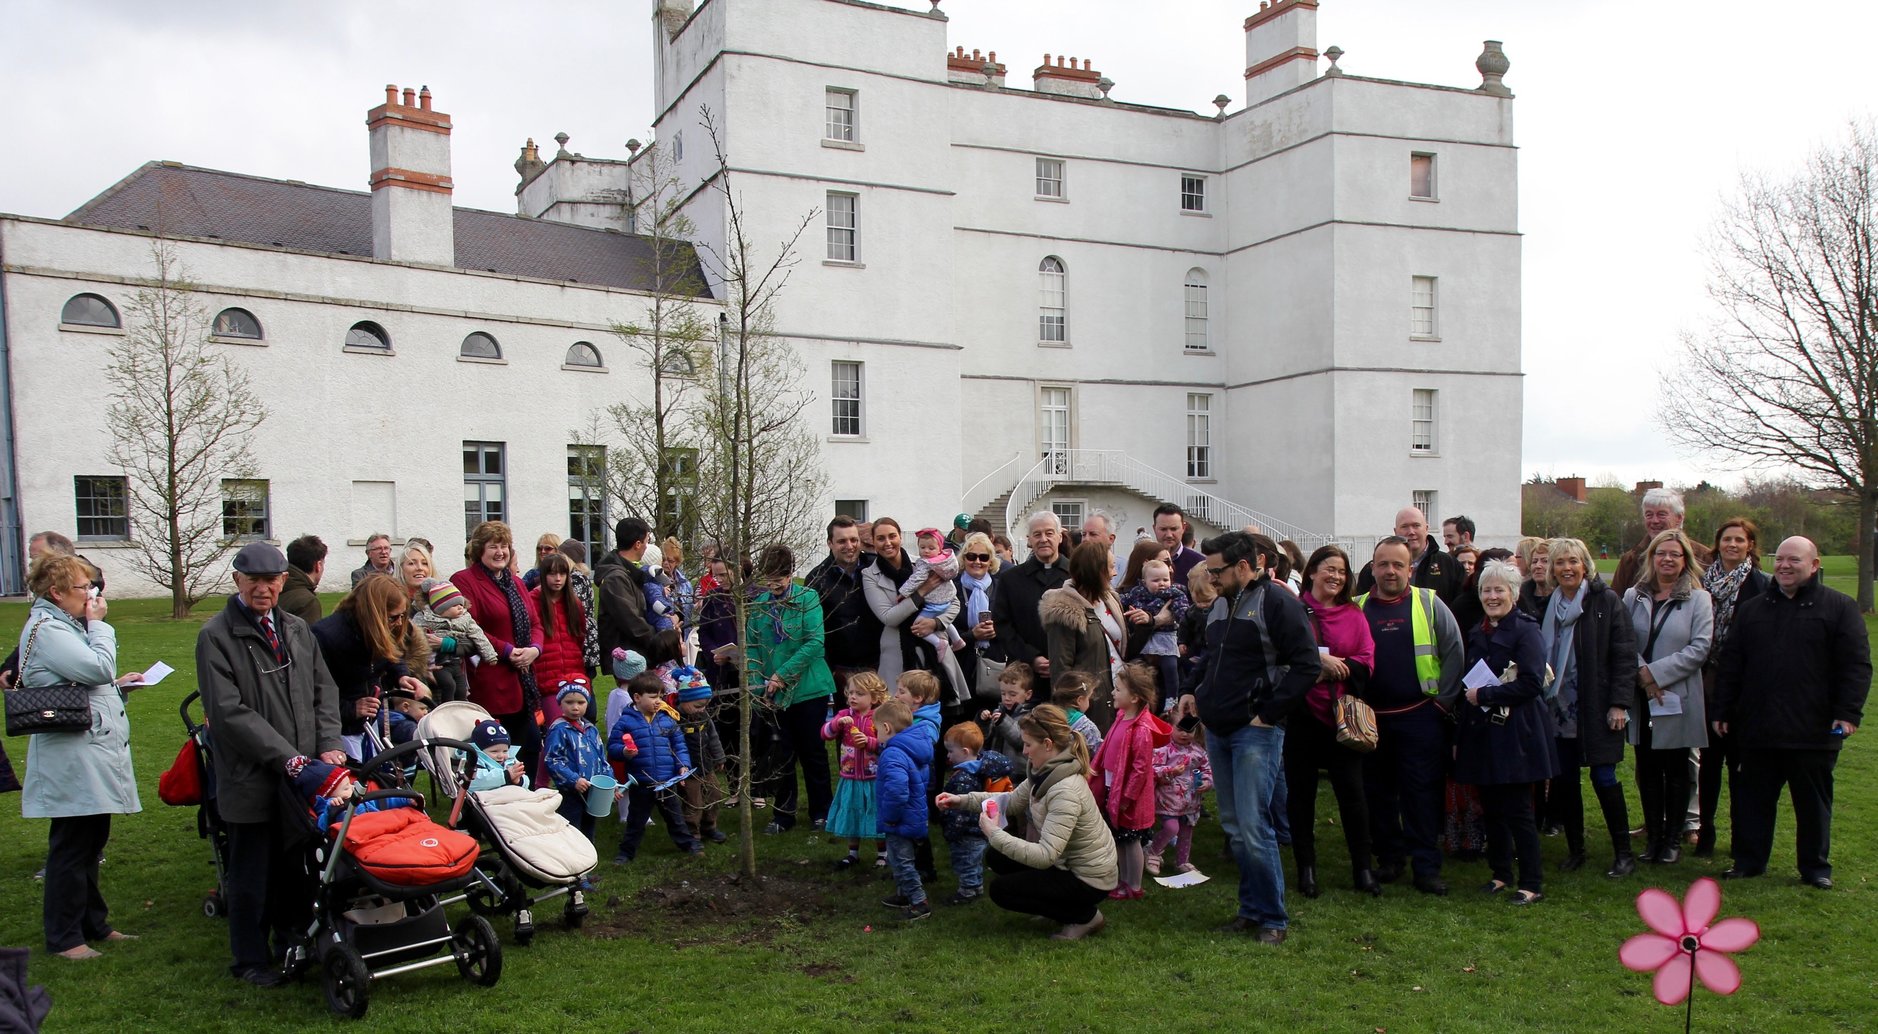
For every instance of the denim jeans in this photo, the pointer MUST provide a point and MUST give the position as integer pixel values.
(1246, 765)
(905, 873)
(968, 861)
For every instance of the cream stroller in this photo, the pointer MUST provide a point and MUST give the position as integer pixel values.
(534, 854)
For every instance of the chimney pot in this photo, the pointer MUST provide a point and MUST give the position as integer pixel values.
(423, 98)
(391, 93)
(410, 97)
(994, 57)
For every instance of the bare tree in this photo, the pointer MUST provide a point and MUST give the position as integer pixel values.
(1786, 375)
(760, 475)
(180, 416)
(655, 469)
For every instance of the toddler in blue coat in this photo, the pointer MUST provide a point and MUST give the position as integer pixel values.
(657, 757)
(573, 753)
(900, 803)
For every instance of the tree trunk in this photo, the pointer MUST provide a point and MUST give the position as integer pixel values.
(1867, 513)
(746, 702)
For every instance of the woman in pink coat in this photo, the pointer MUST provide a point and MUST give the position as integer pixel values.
(1123, 780)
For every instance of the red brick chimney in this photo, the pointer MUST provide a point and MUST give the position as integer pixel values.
(1574, 487)
(1071, 80)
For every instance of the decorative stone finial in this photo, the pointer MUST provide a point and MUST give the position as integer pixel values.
(633, 146)
(1333, 54)
(1105, 84)
(562, 139)
(1492, 65)
(1220, 102)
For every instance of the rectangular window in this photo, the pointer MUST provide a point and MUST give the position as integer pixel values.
(839, 123)
(678, 513)
(1422, 421)
(1052, 304)
(1193, 193)
(1423, 499)
(244, 509)
(1196, 314)
(1422, 306)
(843, 233)
(1069, 511)
(485, 483)
(1050, 177)
(103, 506)
(855, 508)
(844, 393)
(586, 495)
(1053, 423)
(1422, 176)
(1199, 436)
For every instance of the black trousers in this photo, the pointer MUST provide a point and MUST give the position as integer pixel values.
(1310, 745)
(1053, 893)
(1512, 834)
(1807, 776)
(1720, 761)
(74, 909)
(800, 743)
(1407, 788)
(269, 893)
(1663, 788)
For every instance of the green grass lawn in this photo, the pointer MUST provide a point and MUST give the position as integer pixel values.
(655, 958)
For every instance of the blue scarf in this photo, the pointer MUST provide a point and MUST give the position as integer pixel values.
(977, 597)
(1559, 631)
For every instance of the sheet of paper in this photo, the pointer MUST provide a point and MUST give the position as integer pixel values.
(1479, 677)
(1670, 704)
(155, 673)
(1185, 879)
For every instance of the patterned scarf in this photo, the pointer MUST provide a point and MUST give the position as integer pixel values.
(1724, 587)
(523, 630)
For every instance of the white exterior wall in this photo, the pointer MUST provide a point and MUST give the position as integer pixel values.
(334, 417)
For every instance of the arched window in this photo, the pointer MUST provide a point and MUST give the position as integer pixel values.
(1197, 340)
(368, 335)
(1052, 304)
(582, 353)
(89, 310)
(237, 323)
(479, 345)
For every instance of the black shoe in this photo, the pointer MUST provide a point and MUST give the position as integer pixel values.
(1495, 887)
(1365, 883)
(897, 901)
(1573, 862)
(1551, 829)
(1432, 885)
(1239, 924)
(1703, 850)
(960, 897)
(1622, 866)
(1732, 873)
(1307, 881)
(1653, 851)
(774, 828)
(1270, 935)
(1670, 854)
(264, 976)
(1521, 898)
(1817, 882)
(717, 836)
(848, 863)
(915, 913)
(1388, 872)
(929, 876)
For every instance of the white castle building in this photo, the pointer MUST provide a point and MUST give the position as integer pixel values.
(1303, 313)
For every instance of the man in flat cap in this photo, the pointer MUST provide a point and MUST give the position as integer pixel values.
(272, 707)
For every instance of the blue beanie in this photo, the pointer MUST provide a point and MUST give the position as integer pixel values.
(577, 684)
(488, 733)
(692, 685)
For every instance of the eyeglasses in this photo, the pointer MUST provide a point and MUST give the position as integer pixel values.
(1666, 555)
(980, 557)
(1221, 569)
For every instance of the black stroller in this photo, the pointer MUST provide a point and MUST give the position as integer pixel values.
(364, 927)
(209, 825)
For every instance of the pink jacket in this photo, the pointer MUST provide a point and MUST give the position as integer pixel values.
(1124, 770)
(856, 762)
(1175, 792)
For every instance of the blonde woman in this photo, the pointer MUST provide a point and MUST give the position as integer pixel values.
(545, 546)
(978, 562)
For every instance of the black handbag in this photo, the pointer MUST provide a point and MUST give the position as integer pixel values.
(62, 707)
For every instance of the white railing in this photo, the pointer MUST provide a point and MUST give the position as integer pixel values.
(977, 497)
(1112, 466)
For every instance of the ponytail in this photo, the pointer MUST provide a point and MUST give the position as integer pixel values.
(1048, 722)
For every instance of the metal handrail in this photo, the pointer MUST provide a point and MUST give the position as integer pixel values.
(968, 499)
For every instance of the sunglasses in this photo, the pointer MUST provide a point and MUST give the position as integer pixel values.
(982, 557)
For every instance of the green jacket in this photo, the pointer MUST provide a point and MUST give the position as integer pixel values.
(784, 639)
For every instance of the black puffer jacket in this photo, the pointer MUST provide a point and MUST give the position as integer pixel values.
(1791, 666)
(1606, 649)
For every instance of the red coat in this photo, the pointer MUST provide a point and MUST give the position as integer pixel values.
(561, 656)
(1123, 781)
(494, 686)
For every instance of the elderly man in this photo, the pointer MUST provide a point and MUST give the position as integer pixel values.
(1662, 510)
(1794, 673)
(1432, 569)
(1017, 592)
(1261, 660)
(273, 706)
(377, 558)
(1170, 530)
(1413, 685)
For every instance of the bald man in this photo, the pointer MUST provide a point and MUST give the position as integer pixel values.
(1432, 568)
(1791, 687)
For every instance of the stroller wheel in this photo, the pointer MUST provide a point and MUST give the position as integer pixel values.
(576, 911)
(346, 982)
(482, 902)
(478, 953)
(212, 905)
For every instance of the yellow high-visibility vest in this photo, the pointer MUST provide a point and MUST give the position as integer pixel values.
(1422, 625)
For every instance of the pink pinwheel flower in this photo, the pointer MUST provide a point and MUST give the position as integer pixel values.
(1683, 940)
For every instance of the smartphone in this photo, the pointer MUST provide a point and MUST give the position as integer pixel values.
(1188, 723)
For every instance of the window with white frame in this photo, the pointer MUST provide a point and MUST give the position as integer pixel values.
(586, 495)
(678, 513)
(485, 483)
(1422, 421)
(844, 395)
(678, 147)
(855, 508)
(1423, 499)
(839, 122)
(843, 230)
(244, 509)
(103, 506)
(1053, 424)
(1052, 302)
(1069, 511)
(1199, 436)
(1197, 339)
(1193, 193)
(1422, 176)
(1050, 178)
(1422, 306)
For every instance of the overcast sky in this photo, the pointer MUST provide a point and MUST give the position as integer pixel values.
(1634, 121)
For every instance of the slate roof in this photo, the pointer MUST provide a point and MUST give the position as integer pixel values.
(191, 202)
